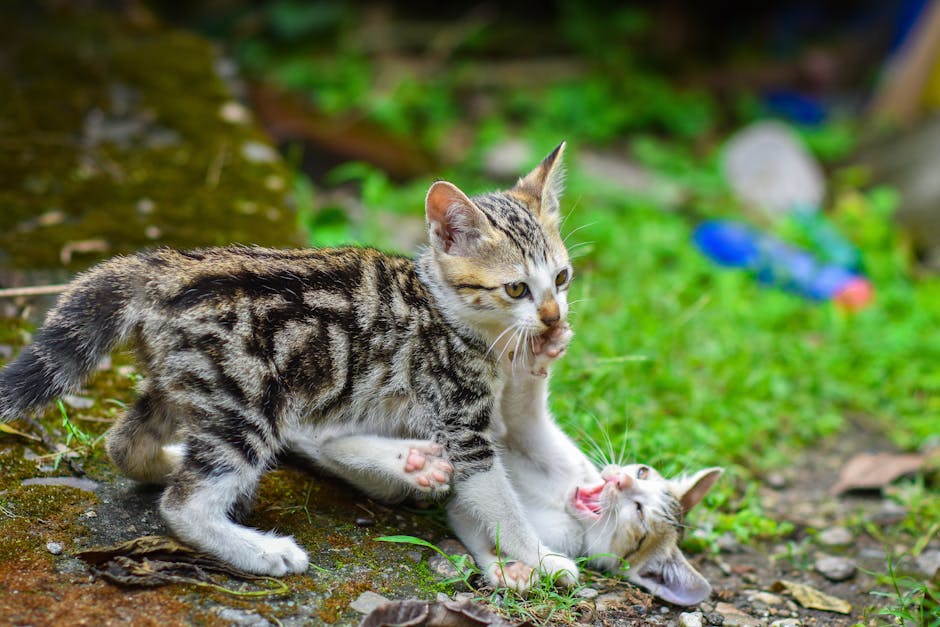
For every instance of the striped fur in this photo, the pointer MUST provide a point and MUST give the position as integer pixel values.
(250, 351)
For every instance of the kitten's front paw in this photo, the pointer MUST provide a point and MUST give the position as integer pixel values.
(561, 569)
(279, 555)
(516, 576)
(429, 471)
(548, 347)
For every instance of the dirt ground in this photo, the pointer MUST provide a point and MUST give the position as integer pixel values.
(45, 584)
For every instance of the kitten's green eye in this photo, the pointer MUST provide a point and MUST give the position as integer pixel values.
(561, 278)
(517, 290)
(642, 472)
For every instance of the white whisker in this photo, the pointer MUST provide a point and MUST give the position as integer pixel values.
(573, 231)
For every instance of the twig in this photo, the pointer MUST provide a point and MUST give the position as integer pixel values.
(35, 290)
(77, 469)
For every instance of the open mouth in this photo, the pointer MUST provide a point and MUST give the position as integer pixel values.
(588, 500)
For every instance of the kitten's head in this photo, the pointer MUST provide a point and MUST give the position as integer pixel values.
(500, 255)
(637, 515)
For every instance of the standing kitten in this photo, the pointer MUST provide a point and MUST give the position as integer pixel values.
(340, 353)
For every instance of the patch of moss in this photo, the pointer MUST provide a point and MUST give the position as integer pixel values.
(112, 140)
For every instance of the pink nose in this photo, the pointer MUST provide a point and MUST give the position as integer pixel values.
(623, 482)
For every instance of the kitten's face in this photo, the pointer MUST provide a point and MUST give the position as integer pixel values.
(636, 515)
(501, 253)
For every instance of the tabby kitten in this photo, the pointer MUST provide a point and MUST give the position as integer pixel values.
(251, 351)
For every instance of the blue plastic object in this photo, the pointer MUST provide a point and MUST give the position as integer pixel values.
(773, 262)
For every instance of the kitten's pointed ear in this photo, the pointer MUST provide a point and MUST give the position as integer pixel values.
(546, 183)
(691, 490)
(671, 578)
(455, 225)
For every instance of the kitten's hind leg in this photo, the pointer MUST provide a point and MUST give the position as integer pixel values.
(138, 442)
(389, 469)
(215, 480)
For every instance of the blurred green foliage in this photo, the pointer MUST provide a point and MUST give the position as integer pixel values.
(675, 361)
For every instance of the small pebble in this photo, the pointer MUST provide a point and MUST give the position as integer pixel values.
(929, 563)
(835, 536)
(242, 618)
(691, 619)
(256, 152)
(776, 480)
(368, 601)
(365, 522)
(78, 402)
(145, 206)
(835, 568)
(588, 593)
(234, 113)
(890, 513)
(54, 547)
(714, 618)
(91, 514)
(787, 622)
(765, 598)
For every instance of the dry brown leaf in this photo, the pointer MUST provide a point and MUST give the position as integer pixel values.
(873, 471)
(159, 560)
(811, 598)
(426, 614)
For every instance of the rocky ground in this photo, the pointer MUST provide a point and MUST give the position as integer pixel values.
(48, 516)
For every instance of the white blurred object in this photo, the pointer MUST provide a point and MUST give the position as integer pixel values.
(769, 169)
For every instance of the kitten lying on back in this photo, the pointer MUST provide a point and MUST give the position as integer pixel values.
(632, 514)
(337, 353)
(626, 513)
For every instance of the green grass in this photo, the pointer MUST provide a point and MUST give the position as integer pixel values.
(682, 365)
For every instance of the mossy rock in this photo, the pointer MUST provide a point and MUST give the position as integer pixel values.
(118, 134)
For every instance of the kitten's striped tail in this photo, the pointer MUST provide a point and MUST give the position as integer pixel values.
(89, 319)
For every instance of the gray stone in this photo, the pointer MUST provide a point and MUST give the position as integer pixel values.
(242, 618)
(890, 513)
(714, 618)
(734, 617)
(588, 593)
(835, 568)
(727, 543)
(368, 601)
(78, 402)
(928, 563)
(691, 619)
(787, 622)
(256, 152)
(764, 598)
(54, 547)
(835, 536)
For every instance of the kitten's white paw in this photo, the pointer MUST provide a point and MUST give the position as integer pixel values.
(428, 469)
(548, 347)
(560, 568)
(279, 555)
(516, 576)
